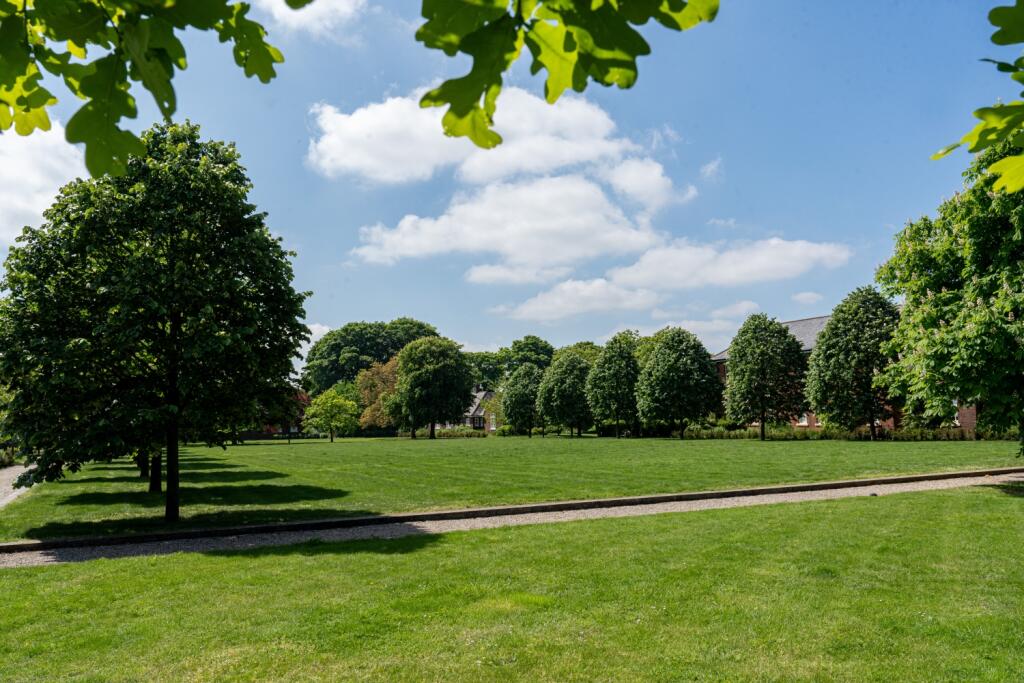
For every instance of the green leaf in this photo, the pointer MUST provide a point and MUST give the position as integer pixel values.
(254, 54)
(1011, 173)
(471, 99)
(72, 20)
(150, 61)
(554, 49)
(107, 147)
(450, 21)
(1010, 22)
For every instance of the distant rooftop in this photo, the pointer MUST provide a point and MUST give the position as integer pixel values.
(806, 331)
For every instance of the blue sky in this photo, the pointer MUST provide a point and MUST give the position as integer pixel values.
(762, 162)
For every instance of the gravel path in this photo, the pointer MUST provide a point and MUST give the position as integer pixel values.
(7, 490)
(399, 530)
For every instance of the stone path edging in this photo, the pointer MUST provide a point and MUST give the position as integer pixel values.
(483, 512)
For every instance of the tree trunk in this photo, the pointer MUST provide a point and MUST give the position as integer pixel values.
(432, 426)
(332, 435)
(142, 460)
(871, 423)
(763, 418)
(682, 429)
(154, 474)
(172, 507)
(412, 432)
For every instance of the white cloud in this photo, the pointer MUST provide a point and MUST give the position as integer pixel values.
(394, 141)
(644, 182)
(538, 228)
(575, 297)
(740, 309)
(712, 170)
(806, 298)
(499, 273)
(686, 265)
(397, 141)
(32, 169)
(321, 18)
(722, 222)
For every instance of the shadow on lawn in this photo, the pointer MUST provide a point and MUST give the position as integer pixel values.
(259, 494)
(398, 539)
(1015, 489)
(187, 477)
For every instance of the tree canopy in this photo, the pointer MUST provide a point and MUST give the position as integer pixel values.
(587, 350)
(848, 358)
(765, 373)
(961, 274)
(99, 50)
(331, 412)
(340, 354)
(678, 384)
(435, 383)
(529, 349)
(146, 305)
(519, 401)
(488, 368)
(562, 393)
(611, 384)
(376, 385)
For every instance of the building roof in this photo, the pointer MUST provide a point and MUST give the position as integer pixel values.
(476, 408)
(806, 331)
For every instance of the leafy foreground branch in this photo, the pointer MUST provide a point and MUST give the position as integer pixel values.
(99, 49)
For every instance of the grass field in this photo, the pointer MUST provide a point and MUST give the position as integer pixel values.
(305, 480)
(923, 587)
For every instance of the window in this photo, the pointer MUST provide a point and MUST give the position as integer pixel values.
(803, 422)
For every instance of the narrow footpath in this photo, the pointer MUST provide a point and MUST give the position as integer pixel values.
(410, 528)
(7, 490)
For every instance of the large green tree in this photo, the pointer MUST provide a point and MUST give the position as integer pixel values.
(678, 384)
(519, 400)
(765, 374)
(587, 350)
(98, 50)
(341, 354)
(435, 383)
(562, 393)
(611, 384)
(848, 358)
(961, 275)
(529, 349)
(146, 306)
(488, 369)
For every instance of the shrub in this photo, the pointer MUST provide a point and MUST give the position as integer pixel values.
(539, 431)
(505, 430)
(459, 432)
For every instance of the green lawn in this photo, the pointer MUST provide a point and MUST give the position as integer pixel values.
(269, 482)
(922, 587)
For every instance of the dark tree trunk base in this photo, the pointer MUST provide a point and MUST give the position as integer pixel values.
(155, 485)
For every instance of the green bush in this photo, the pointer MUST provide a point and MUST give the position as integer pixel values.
(505, 430)
(460, 432)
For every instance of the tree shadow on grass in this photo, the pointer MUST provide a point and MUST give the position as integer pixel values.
(391, 539)
(1015, 489)
(152, 521)
(186, 464)
(259, 494)
(187, 477)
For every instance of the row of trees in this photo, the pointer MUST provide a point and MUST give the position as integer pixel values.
(676, 384)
